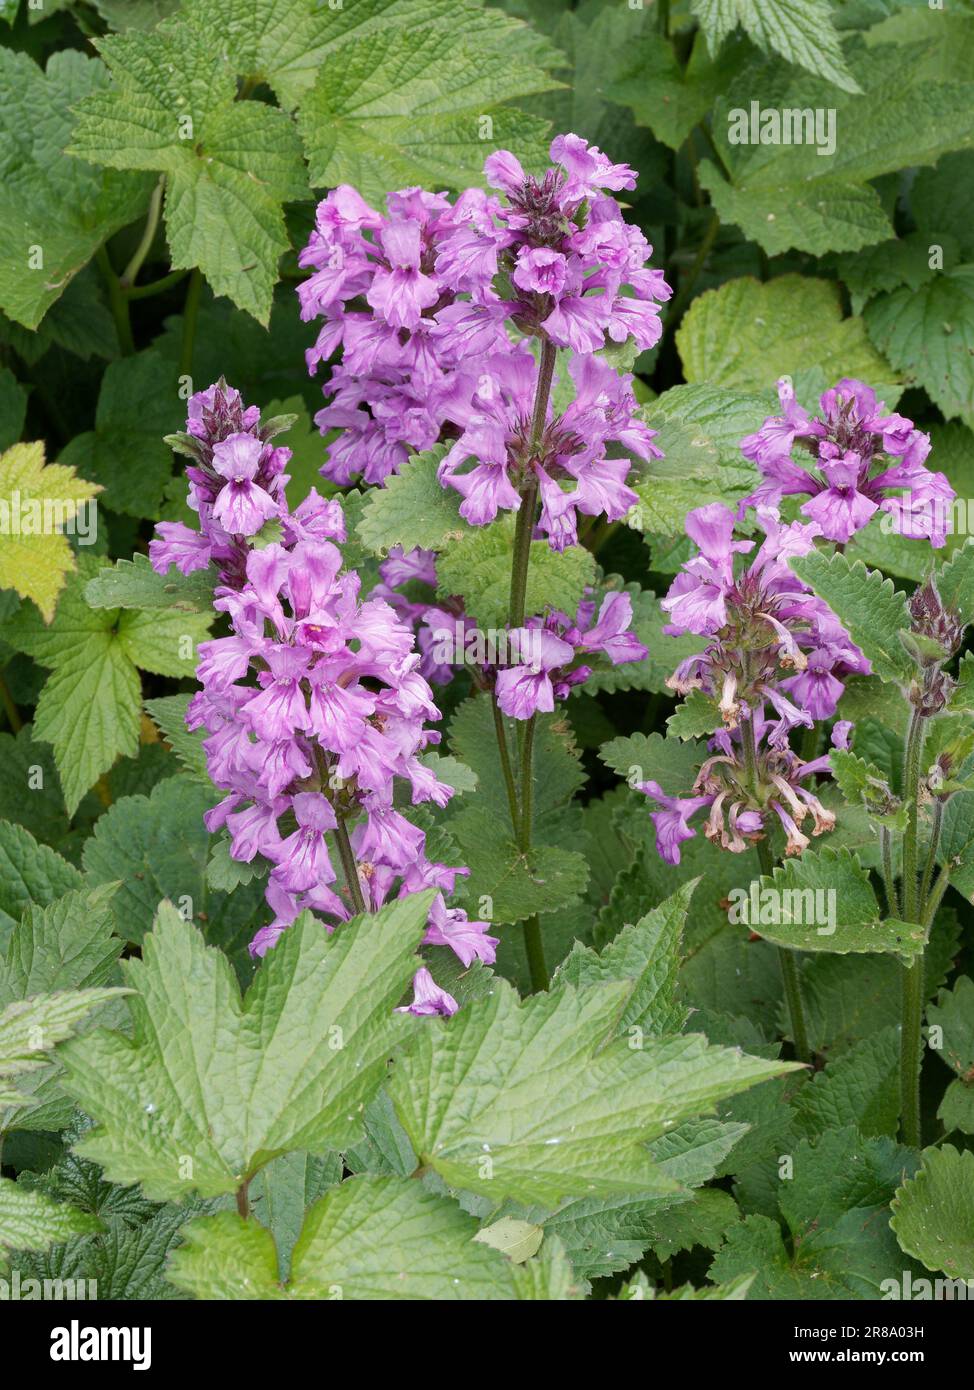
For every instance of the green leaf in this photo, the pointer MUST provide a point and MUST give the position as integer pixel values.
(606, 1235)
(953, 1013)
(695, 716)
(801, 31)
(642, 757)
(548, 1277)
(548, 1106)
(518, 884)
(823, 901)
(662, 94)
(35, 555)
(229, 165)
(730, 334)
(287, 42)
(868, 606)
(647, 953)
(135, 584)
(933, 1213)
(29, 873)
(231, 1086)
(126, 452)
(54, 213)
(368, 1238)
(928, 336)
(816, 194)
(412, 509)
(89, 707)
(29, 1028)
(836, 1207)
(477, 567)
(860, 1087)
(31, 1221)
(690, 473)
(407, 106)
(942, 201)
(169, 714)
(955, 583)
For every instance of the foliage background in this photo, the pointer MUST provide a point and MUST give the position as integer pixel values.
(167, 258)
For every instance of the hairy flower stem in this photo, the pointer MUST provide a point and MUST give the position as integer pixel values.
(912, 997)
(889, 881)
(521, 814)
(349, 865)
(506, 767)
(787, 960)
(931, 864)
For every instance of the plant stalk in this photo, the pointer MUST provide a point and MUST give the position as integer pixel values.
(130, 274)
(912, 991)
(117, 302)
(349, 866)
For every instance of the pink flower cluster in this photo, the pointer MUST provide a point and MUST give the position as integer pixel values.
(314, 709)
(859, 455)
(421, 301)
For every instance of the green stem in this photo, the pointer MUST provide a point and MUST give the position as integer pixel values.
(889, 882)
(130, 274)
(931, 864)
(154, 287)
(118, 303)
(190, 315)
(936, 895)
(506, 768)
(787, 960)
(911, 788)
(523, 531)
(9, 707)
(349, 866)
(912, 993)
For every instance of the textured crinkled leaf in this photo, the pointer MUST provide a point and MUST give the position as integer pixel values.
(647, 953)
(955, 583)
(690, 474)
(29, 873)
(407, 106)
(29, 1028)
(642, 757)
(169, 714)
(928, 336)
(519, 884)
(823, 901)
(814, 193)
(54, 212)
(135, 584)
(869, 607)
(664, 652)
(368, 1238)
(234, 1082)
(747, 334)
(800, 31)
(933, 1213)
(860, 1087)
(478, 568)
(547, 1107)
(35, 555)
(228, 164)
(412, 509)
(31, 1221)
(953, 1013)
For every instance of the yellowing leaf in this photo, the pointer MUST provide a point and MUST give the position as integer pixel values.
(37, 503)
